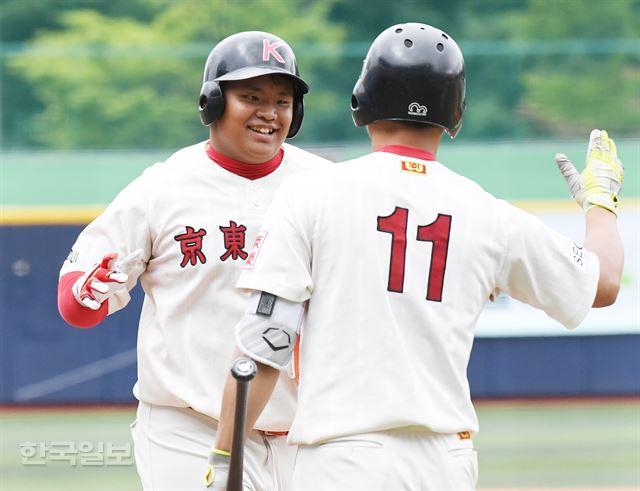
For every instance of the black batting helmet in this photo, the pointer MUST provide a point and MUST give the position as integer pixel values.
(246, 55)
(412, 72)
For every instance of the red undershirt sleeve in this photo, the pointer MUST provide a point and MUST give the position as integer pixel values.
(71, 311)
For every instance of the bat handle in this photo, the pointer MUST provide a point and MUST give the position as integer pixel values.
(243, 370)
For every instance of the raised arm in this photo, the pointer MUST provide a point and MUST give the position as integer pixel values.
(596, 191)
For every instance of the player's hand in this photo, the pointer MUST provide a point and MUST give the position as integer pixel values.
(215, 479)
(102, 281)
(601, 179)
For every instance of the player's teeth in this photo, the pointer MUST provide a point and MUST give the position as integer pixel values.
(264, 131)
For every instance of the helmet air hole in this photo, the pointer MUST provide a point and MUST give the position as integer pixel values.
(203, 101)
(445, 36)
(440, 46)
(408, 43)
(398, 31)
(354, 102)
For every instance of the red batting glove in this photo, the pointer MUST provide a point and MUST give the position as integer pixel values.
(92, 288)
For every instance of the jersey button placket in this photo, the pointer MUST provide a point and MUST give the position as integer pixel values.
(253, 196)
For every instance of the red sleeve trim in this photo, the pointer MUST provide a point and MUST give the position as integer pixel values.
(71, 311)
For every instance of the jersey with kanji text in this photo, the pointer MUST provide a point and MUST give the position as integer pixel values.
(195, 222)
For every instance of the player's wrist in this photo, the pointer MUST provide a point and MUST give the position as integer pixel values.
(610, 207)
(217, 467)
(71, 310)
(605, 200)
(220, 452)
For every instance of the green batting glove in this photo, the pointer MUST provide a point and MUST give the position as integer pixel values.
(215, 479)
(601, 179)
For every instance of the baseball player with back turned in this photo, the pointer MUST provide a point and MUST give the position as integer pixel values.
(396, 256)
(183, 229)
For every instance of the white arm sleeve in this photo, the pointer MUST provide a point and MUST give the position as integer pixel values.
(269, 329)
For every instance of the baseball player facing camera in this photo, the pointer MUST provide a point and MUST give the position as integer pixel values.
(183, 230)
(395, 257)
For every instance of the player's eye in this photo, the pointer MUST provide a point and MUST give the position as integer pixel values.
(247, 96)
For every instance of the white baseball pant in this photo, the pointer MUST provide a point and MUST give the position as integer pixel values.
(172, 446)
(388, 461)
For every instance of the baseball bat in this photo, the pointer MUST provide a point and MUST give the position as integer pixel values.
(243, 370)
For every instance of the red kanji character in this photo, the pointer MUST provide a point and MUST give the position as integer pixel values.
(191, 246)
(233, 241)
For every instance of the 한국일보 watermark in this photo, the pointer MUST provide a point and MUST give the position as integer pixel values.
(82, 454)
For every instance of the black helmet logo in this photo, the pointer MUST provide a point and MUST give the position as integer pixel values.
(416, 109)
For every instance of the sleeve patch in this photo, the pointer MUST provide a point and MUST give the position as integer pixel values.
(265, 304)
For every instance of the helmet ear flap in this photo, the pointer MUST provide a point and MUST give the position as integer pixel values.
(211, 102)
(298, 115)
(360, 105)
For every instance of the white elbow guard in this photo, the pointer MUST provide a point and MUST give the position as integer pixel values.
(269, 329)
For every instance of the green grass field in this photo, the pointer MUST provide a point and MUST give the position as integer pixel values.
(535, 445)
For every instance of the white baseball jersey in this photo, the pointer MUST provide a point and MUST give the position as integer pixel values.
(398, 256)
(195, 222)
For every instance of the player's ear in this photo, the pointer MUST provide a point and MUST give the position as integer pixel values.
(211, 102)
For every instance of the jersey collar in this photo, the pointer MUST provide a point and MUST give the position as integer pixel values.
(416, 153)
(242, 169)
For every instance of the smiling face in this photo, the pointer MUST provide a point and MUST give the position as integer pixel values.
(256, 118)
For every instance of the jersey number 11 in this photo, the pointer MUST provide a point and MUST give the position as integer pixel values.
(436, 232)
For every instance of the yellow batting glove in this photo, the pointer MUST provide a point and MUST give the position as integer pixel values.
(601, 179)
(217, 474)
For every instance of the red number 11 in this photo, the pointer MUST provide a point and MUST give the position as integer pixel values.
(436, 232)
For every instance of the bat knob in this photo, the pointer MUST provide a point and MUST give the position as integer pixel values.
(244, 369)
